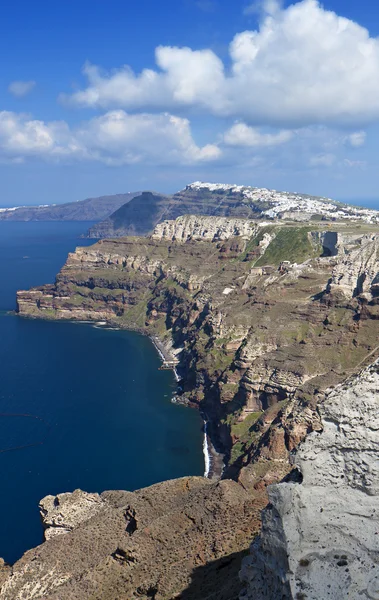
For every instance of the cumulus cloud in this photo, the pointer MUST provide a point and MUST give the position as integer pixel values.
(21, 88)
(304, 65)
(242, 135)
(115, 138)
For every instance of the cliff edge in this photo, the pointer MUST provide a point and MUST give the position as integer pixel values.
(320, 538)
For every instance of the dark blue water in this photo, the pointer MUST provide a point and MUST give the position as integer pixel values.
(85, 407)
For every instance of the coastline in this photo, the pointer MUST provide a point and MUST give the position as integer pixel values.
(213, 460)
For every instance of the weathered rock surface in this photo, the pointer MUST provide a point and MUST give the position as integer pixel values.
(357, 273)
(191, 227)
(62, 513)
(180, 539)
(320, 538)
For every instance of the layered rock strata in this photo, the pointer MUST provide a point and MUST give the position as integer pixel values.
(255, 323)
(191, 227)
(320, 538)
(262, 320)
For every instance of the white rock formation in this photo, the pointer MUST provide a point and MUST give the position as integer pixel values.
(192, 227)
(320, 538)
(63, 513)
(357, 272)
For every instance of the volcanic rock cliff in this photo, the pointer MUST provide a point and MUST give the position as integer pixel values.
(259, 320)
(262, 319)
(320, 537)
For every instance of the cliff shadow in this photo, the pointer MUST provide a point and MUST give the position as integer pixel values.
(217, 580)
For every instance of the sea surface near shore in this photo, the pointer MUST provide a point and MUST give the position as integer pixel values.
(80, 406)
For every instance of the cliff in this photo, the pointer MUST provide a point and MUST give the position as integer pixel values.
(248, 309)
(140, 216)
(320, 537)
(134, 218)
(91, 209)
(263, 320)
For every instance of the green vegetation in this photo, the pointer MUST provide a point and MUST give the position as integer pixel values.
(292, 244)
(241, 429)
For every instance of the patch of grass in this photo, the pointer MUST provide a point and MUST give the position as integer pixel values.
(242, 429)
(292, 244)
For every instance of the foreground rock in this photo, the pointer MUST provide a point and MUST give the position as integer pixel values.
(181, 539)
(320, 538)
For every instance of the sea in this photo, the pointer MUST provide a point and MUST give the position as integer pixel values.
(80, 406)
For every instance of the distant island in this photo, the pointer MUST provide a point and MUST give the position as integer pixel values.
(91, 209)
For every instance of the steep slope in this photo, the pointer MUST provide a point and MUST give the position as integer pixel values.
(134, 218)
(320, 538)
(247, 310)
(91, 209)
(262, 321)
(223, 200)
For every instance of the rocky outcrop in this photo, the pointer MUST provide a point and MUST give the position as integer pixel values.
(357, 273)
(320, 537)
(180, 539)
(64, 512)
(191, 227)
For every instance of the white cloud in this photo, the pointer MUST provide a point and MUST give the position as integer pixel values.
(115, 138)
(305, 65)
(356, 139)
(21, 88)
(241, 135)
(322, 160)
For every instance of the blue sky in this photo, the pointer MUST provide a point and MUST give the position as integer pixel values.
(104, 97)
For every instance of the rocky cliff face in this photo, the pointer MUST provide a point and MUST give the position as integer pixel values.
(356, 274)
(133, 218)
(213, 229)
(249, 311)
(320, 538)
(260, 334)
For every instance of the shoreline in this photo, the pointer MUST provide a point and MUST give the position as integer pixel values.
(213, 460)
